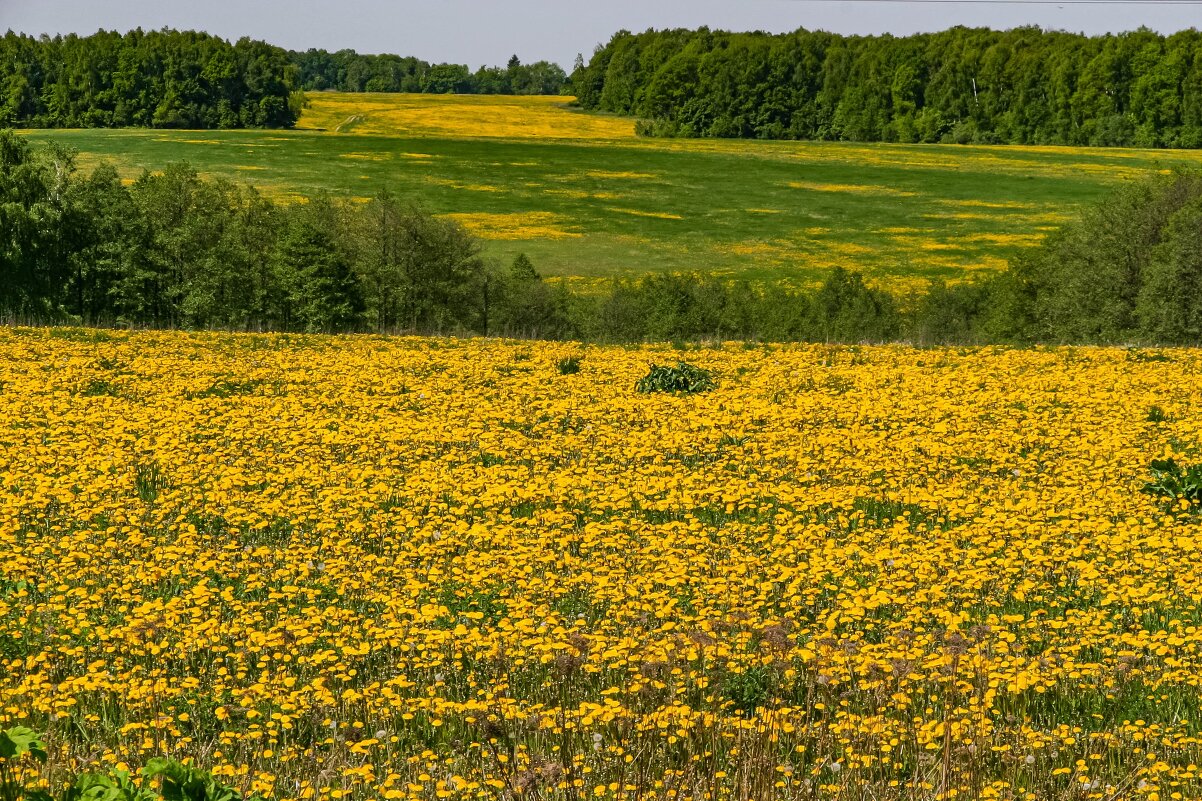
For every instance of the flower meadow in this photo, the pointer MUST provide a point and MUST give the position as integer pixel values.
(366, 567)
(545, 117)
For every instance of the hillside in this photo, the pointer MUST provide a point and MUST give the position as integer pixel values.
(587, 200)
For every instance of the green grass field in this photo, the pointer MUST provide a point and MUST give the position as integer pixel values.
(586, 199)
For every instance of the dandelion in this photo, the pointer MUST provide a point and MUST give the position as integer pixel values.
(864, 590)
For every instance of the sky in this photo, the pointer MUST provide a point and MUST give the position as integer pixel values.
(479, 32)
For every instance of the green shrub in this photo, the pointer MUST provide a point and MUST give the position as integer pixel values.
(186, 783)
(149, 480)
(15, 744)
(1173, 483)
(684, 378)
(749, 691)
(225, 388)
(176, 781)
(569, 365)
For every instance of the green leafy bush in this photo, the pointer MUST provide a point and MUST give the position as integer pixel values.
(185, 783)
(684, 378)
(1172, 482)
(225, 388)
(118, 785)
(176, 781)
(149, 480)
(569, 365)
(17, 743)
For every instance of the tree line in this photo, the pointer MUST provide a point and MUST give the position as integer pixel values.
(153, 79)
(186, 79)
(1127, 272)
(174, 249)
(962, 85)
(348, 71)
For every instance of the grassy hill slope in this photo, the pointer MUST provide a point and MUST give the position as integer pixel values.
(586, 199)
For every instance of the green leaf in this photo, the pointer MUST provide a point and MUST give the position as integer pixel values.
(184, 783)
(18, 741)
(1173, 483)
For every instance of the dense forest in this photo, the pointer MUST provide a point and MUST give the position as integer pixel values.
(348, 71)
(1022, 86)
(185, 79)
(173, 249)
(159, 79)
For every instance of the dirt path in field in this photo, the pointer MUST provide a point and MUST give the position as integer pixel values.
(350, 122)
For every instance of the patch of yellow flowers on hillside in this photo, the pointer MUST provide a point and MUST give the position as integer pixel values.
(412, 568)
(458, 116)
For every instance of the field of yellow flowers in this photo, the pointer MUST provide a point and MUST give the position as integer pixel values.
(460, 116)
(358, 567)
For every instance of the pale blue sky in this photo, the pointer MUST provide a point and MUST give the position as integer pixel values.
(475, 32)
